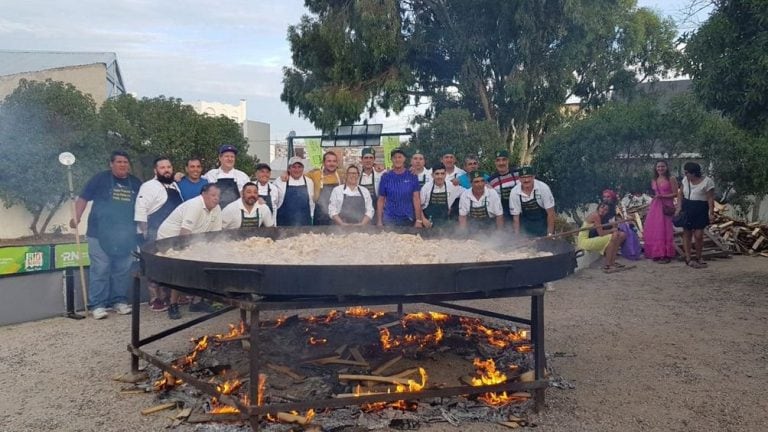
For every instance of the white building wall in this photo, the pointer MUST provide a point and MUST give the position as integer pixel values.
(16, 220)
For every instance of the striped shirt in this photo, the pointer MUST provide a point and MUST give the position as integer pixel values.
(398, 189)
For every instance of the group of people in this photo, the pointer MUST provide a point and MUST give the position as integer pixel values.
(126, 212)
(687, 204)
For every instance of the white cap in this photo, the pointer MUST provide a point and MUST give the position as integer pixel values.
(294, 160)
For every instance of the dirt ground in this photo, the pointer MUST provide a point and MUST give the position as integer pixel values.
(656, 348)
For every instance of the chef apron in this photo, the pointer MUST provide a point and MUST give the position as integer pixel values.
(352, 208)
(505, 196)
(249, 222)
(295, 209)
(156, 219)
(229, 191)
(268, 198)
(116, 229)
(437, 210)
(478, 217)
(533, 218)
(321, 209)
(371, 187)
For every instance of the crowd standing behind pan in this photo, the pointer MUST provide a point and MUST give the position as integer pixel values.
(126, 212)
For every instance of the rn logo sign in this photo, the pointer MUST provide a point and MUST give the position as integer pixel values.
(67, 255)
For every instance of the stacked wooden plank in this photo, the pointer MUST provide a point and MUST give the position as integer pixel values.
(741, 237)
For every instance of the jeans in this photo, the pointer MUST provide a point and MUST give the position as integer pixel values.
(109, 277)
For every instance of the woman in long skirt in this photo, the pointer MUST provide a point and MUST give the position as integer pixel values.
(659, 231)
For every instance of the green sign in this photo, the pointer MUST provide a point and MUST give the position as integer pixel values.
(314, 151)
(24, 259)
(390, 143)
(67, 255)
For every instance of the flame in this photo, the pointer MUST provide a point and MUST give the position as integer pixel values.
(436, 317)
(191, 358)
(327, 319)
(260, 391)
(219, 408)
(361, 312)
(280, 320)
(494, 337)
(229, 386)
(489, 375)
(314, 341)
(234, 331)
(167, 382)
(412, 386)
(388, 342)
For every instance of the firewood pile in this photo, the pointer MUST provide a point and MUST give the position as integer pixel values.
(741, 237)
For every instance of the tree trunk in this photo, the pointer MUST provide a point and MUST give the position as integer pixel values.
(756, 207)
(35, 218)
(53, 211)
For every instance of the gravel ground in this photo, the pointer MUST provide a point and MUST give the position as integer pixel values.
(656, 348)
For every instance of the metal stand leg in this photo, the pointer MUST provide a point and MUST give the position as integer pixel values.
(255, 366)
(244, 316)
(135, 322)
(537, 337)
(69, 294)
(400, 310)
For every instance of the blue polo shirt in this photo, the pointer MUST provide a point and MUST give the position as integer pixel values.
(189, 189)
(398, 189)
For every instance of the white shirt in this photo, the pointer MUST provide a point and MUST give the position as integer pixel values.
(298, 182)
(635, 201)
(152, 196)
(490, 199)
(232, 218)
(425, 175)
(426, 193)
(275, 193)
(697, 192)
(240, 177)
(540, 192)
(191, 215)
(455, 174)
(365, 179)
(337, 199)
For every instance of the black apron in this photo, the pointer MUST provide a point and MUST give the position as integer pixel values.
(371, 187)
(504, 193)
(249, 222)
(268, 198)
(478, 217)
(295, 209)
(533, 218)
(116, 229)
(156, 219)
(423, 181)
(352, 208)
(229, 191)
(437, 210)
(321, 207)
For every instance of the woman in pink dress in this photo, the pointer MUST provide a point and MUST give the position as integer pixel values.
(659, 231)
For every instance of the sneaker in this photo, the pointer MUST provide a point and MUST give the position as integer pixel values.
(158, 305)
(173, 312)
(201, 306)
(121, 308)
(100, 313)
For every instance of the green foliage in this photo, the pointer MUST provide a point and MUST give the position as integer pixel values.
(728, 60)
(456, 130)
(160, 126)
(38, 121)
(512, 63)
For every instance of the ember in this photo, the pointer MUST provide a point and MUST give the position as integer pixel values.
(489, 375)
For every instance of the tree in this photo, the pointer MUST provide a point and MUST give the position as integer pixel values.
(160, 126)
(457, 130)
(512, 63)
(727, 57)
(38, 121)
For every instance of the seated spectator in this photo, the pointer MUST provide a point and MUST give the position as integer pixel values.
(606, 241)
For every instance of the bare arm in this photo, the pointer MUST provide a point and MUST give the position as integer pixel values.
(416, 196)
(499, 222)
(551, 220)
(711, 202)
(462, 221)
(185, 232)
(594, 218)
(516, 224)
(80, 205)
(380, 210)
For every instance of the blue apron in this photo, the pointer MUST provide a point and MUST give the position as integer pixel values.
(295, 209)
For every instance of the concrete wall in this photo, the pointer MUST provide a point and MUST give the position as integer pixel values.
(257, 134)
(215, 109)
(90, 79)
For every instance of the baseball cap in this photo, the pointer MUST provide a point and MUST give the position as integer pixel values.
(526, 170)
(227, 148)
(261, 166)
(368, 151)
(502, 153)
(295, 160)
(397, 150)
(477, 174)
(418, 152)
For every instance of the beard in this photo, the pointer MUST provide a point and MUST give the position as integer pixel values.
(165, 179)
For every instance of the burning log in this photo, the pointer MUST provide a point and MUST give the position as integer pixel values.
(376, 378)
(286, 371)
(386, 365)
(405, 373)
(158, 408)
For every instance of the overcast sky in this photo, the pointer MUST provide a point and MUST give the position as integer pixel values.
(193, 50)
